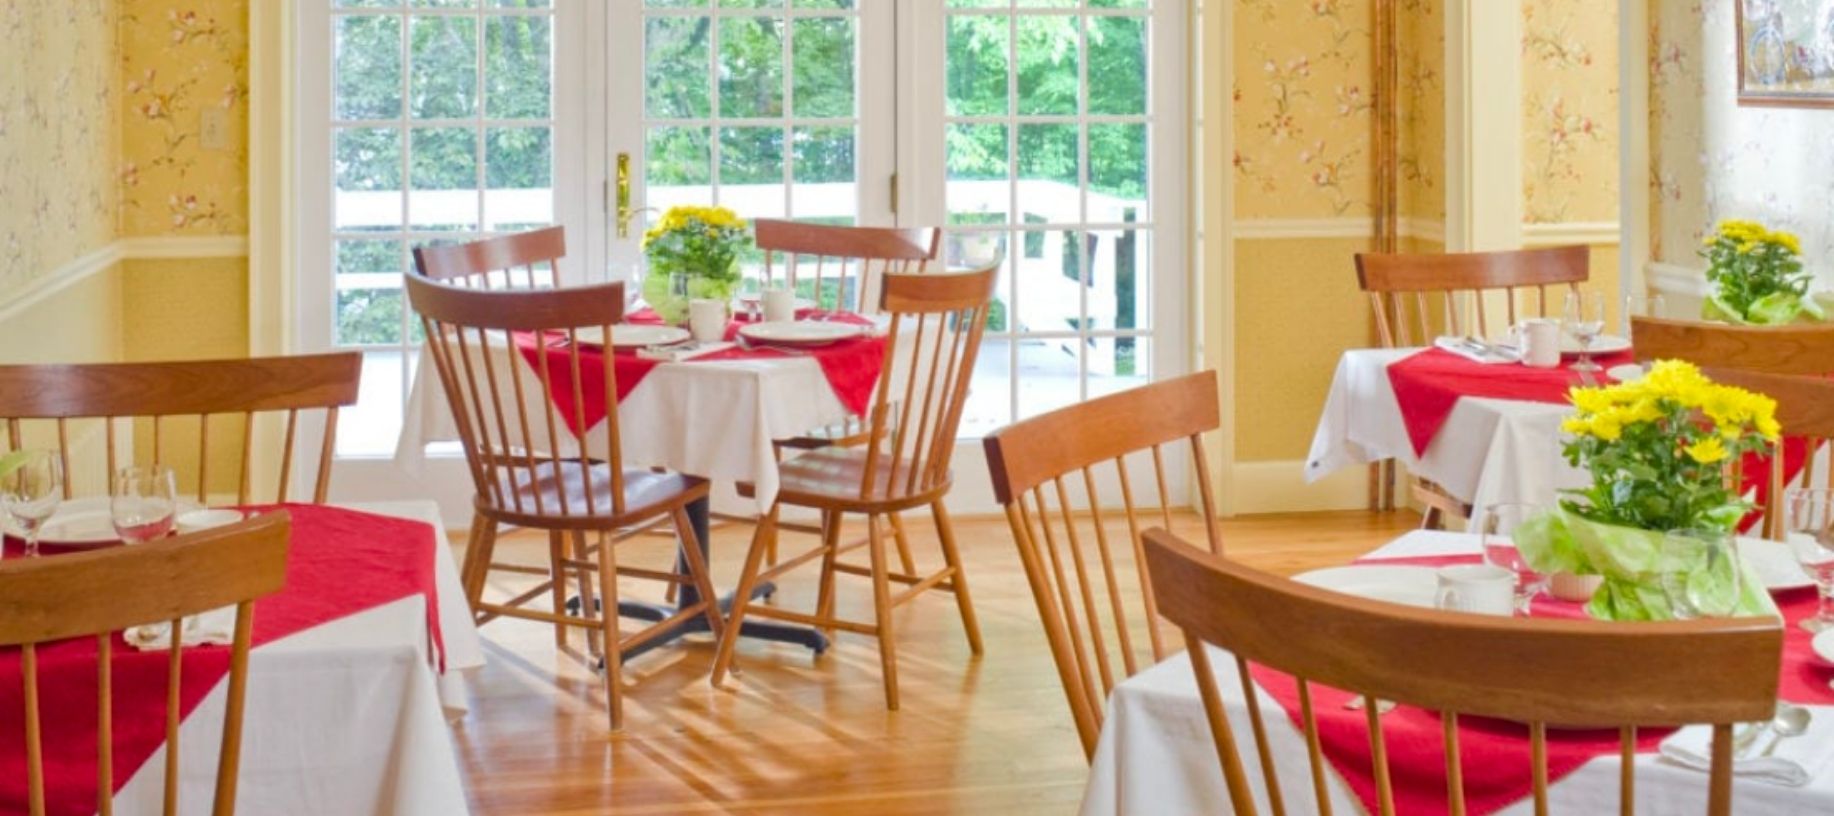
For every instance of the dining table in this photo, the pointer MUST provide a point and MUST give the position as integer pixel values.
(354, 677)
(717, 416)
(1156, 755)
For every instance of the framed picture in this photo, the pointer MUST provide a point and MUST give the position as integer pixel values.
(1785, 52)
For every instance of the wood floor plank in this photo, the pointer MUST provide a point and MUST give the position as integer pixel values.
(796, 734)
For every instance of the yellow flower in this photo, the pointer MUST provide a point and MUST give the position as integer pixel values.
(1590, 400)
(1707, 451)
(1607, 426)
(1576, 425)
(1787, 240)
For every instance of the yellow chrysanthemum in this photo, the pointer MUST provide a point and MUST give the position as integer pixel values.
(1707, 451)
(1787, 240)
(1576, 425)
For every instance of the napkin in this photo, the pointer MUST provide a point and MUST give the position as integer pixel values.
(1792, 762)
(217, 627)
(1478, 351)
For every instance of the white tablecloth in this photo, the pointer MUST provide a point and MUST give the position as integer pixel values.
(348, 717)
(715, 419)
(1155, 755)
(1489, 451)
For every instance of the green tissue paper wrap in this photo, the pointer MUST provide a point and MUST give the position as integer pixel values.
(1631, 561)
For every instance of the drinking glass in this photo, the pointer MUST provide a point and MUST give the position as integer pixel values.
(1640, 306)
(1585, 318)
(31, 493)
(1499, 525)
(1700, 573)
(143, 503)
(1808, 517)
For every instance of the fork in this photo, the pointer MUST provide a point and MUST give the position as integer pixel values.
(748, 345)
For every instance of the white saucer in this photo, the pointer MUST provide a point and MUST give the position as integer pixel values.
(1602, 344)
(1395, 583)
(1628, 372)
(633, 335)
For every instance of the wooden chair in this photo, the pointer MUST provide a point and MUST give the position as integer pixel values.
(475, 264)
(903, 465)
(523, 478)
(1805, 410)
(1441, 289)
(861, 256)
(1034, 457)
(1706, 671)
(100, 592)
(1805, 349)
(71, 399)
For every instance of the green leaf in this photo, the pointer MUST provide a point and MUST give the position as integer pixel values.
(12, 461)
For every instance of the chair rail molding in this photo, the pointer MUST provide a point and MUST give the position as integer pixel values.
(1561, 233)
(113, 253)
(184, 246)
(1270, 229)
(1676, 279)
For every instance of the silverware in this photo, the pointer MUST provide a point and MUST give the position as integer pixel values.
(1382, 706)
(749, 345)
(1790, 721)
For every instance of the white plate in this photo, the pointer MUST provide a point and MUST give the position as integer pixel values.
(633, 335)
(1774, 563)
(81, 522)
(800, 332)
(1628, 372)
(1602, 344)
(1410, 585)
(1823, 646)
(752, 298)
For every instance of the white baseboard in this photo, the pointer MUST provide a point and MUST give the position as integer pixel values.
(1280, 487)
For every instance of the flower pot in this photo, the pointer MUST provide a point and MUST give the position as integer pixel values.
(1573, 588)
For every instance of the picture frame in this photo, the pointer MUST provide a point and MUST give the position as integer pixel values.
(1785, 53)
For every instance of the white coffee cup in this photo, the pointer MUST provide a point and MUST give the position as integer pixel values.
(197, 520)
(1485, 589)
(779, 305)
(1539, 340)
(707, 320)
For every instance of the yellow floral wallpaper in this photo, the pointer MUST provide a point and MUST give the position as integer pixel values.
(180, 61)
(58, 139)
(1422, 101)
(1569, 111)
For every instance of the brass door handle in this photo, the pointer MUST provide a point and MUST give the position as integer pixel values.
(625, 211)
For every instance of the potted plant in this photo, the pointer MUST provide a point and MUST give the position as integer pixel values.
(1757, 276)
(1657, 449)
(693, 253)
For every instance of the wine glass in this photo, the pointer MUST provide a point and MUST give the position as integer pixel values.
(1498, 528)
(32, 492)
(143, 503)
(1585, 318)
(1640, 306)
(1809, 523)
(1700, 573)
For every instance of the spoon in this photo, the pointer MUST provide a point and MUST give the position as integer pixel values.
(1790, 721)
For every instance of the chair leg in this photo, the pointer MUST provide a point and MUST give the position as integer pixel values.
(697, 571)
(882, 612)
(830, 541)
(945, 533)
(608, 633)
(480, 568)
(587, 600)
(735, 619)
(557, 575)
(904, 544)
(470, 561)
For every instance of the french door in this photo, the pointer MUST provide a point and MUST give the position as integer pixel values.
(1046, 131)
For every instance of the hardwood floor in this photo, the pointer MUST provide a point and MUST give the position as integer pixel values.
(796, 734)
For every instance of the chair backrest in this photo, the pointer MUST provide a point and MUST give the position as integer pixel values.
(855, 258)
(502, 404)
(493, 263)
(1630, 674)
(1805, 349)
(934, 337)
(1805, 410)
(1441, 287)
(100, 592)
(1033, 458)
(172, 394)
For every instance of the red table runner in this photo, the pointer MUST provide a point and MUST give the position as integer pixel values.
(1496, 753)
(340, 562)
(851, 366)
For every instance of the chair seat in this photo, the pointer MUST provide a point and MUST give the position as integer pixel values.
(646, 492)
(830, 478)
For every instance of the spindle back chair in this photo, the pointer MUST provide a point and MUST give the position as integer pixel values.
(1805, 410)
(1073, 583)
(530, 470)
(856, 259)
(934, 335)
(1719, 672)
(100, 592)
(476, 263)
(70, 400)
(1796, 349)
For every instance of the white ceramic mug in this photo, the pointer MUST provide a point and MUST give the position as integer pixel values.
(1485, 589)
(1539, 340)
(779, 305)
(707, 320)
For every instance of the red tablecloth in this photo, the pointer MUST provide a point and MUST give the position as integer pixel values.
(851, 366)
(1496, 753)
(340, 562)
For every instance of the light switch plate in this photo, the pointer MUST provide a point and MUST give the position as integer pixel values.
(213, 128)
